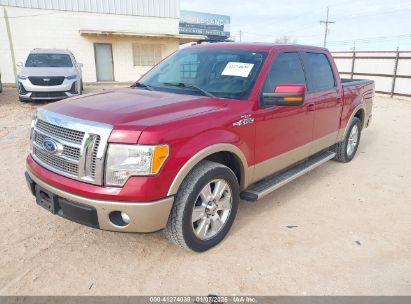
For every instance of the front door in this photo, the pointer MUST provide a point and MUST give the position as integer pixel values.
(104, 61)
(283, 133)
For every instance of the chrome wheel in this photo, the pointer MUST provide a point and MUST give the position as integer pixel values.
(212, 209)
(353, 140)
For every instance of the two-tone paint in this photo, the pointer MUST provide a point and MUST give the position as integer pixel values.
(198, 127)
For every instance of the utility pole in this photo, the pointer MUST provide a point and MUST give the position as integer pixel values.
(11, 47)
(326, 22)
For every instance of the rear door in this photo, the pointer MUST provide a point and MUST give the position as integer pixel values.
(324, 92)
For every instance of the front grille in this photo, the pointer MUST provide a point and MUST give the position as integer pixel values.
(79, 146)
(71, 152)
(48, 95)
(56, 162)
(68, 151)
(46, 80)
(73, 136)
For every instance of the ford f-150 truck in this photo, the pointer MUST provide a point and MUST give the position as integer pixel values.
(207, 126)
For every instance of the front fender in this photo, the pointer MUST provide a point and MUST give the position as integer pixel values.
(208, 143)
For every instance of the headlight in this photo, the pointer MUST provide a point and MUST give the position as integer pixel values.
(71, 77)
(124, 161)
(22, 77)
(33, 123)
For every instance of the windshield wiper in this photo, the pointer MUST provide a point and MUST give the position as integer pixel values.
(189, 86)
(143, 86)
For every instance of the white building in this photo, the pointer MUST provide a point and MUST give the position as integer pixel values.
(116, 40)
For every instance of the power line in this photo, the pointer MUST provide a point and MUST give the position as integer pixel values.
(326, 23)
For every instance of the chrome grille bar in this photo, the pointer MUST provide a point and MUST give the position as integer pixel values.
(82, 145)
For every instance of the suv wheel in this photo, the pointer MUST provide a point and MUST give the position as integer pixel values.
(347, 149)
(205, 207)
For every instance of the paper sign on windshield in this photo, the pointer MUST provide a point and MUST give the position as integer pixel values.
(237, 69)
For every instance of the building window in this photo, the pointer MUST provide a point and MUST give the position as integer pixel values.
(146, 54)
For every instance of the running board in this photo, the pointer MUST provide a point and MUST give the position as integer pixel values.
(269, 184)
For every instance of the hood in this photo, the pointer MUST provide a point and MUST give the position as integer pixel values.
(134, 107)
(34, 71)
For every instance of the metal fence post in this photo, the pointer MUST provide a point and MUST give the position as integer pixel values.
(394, 76)
(353, 64)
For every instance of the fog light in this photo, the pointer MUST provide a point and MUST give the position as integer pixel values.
(125, 218)
(119, 218)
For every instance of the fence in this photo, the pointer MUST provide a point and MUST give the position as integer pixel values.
(391, 70)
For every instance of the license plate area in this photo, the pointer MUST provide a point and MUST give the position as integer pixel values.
(47, 199)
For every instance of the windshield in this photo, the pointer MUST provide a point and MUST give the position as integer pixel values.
(225, 73)
(49, 60)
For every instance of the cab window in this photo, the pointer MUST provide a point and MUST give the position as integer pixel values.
(286, 69)
(320, 72)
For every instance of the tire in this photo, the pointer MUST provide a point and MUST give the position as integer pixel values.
(346, 150)
(194, 235)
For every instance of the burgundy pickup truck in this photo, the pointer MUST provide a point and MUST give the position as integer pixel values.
(207, 126)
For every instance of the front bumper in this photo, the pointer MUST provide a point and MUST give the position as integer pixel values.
(144, 216)
(28, 91)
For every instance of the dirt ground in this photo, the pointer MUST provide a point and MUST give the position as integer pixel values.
(343, 229)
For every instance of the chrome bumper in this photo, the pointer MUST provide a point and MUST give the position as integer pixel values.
(144, 217)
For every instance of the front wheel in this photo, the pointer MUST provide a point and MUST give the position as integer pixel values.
(204, 208)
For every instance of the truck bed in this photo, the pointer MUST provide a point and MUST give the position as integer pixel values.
(351, 82)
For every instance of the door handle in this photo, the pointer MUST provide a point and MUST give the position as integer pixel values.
(311, 107)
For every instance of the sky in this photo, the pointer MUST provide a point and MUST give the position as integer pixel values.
(372, 24)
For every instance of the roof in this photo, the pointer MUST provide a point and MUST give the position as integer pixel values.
(50, 51)
(258, 46)
(182, 38)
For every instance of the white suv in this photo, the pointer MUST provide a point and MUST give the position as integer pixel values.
(49, 74)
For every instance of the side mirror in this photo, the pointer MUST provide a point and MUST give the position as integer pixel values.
(80, 65)
(19, 64)
(285, 95)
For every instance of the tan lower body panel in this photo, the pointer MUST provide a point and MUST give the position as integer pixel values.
(144, 217)
(275, 164)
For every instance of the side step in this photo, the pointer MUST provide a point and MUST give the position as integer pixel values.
(267, 185)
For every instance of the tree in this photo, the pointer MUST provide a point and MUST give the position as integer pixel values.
(285, 40)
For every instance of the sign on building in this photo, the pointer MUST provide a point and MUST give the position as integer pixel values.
(215, 27)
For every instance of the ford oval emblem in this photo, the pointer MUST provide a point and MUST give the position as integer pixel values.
(51, 146)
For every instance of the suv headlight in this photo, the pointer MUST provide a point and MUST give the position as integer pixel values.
(22, 77)
(71, 77)
(124, 161)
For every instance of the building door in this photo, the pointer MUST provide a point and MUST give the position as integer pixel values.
(103, 53)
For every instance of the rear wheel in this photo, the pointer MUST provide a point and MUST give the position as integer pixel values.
(204, 208)
(346, 150)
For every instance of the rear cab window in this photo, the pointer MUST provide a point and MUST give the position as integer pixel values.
(320, 72)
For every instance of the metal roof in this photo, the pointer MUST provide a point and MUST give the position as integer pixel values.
(149, 8)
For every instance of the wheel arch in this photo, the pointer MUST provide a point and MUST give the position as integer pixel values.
(226, 154)
(359, 112)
